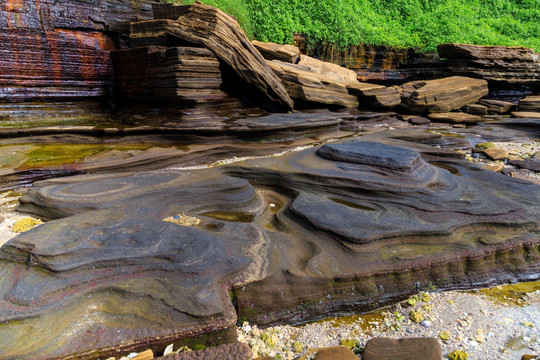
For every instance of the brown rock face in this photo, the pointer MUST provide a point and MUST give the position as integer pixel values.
(442, 95)
(236, 351)
(53, 49)
(402, 349)
(210, 27)
(175, 74)
(496, 64)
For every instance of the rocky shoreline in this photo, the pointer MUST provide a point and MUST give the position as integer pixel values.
(226, 183)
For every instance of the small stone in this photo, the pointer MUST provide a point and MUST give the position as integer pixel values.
(169, 350)
(419, 120)
(145, 355)
(527, 324)
(495, 167)
(25, 224)
(183, 220)
(530, 357)
(458, 355)
(496, 153)
(536, 155)
(459, 126)
(426, 323)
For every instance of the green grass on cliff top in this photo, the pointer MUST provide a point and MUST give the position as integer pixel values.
(421, 24)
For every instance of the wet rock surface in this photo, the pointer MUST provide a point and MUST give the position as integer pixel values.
(290, 231)
(236, 351)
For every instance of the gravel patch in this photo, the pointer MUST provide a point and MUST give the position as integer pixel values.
(484, 326)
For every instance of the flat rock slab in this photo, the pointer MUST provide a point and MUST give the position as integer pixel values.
(442, 95)
(526, 114)
(272, 51)
(402, 349)
(497, 106)
(283, 233)
(236, 351)
(455, 118)
(530, 104)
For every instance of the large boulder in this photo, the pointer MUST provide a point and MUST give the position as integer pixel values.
(442, 95)
(373, 95)
(311, 87)
(328, 69)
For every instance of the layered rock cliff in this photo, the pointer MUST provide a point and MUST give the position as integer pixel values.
(61, 50)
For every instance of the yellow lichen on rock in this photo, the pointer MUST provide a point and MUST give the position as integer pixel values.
(183, 220)
(25, 224)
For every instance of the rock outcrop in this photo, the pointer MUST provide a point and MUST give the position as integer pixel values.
(496, 64)
(285, 233)
(176, 74)
(272, 51)
(61, 50)
(210, 27)
(373, 95)
(529, 103)
(312, 88)
(442, 95)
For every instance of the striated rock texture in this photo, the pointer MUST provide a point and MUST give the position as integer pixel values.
(176, 74)
(442, 95)
(272, 51)
(207, 26)
(312, 88)
(496, 64)
(61, 50)
(413, 214)
(314, 82)
(402, 349)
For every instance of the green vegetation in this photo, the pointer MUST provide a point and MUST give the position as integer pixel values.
(421, 24)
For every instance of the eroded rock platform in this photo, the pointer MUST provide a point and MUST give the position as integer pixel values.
(345, 226)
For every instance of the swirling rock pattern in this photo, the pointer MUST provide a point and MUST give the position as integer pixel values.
(345, 226)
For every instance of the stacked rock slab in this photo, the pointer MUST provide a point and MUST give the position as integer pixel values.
(442, 95)
(174, 74)
(61, 50)
(210, 27)
(496, 64)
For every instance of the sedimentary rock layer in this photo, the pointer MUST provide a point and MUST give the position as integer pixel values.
(53, 49)
(496, 64)
(175, 74)
(442, 95)
(210, 27)
(347, 225)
